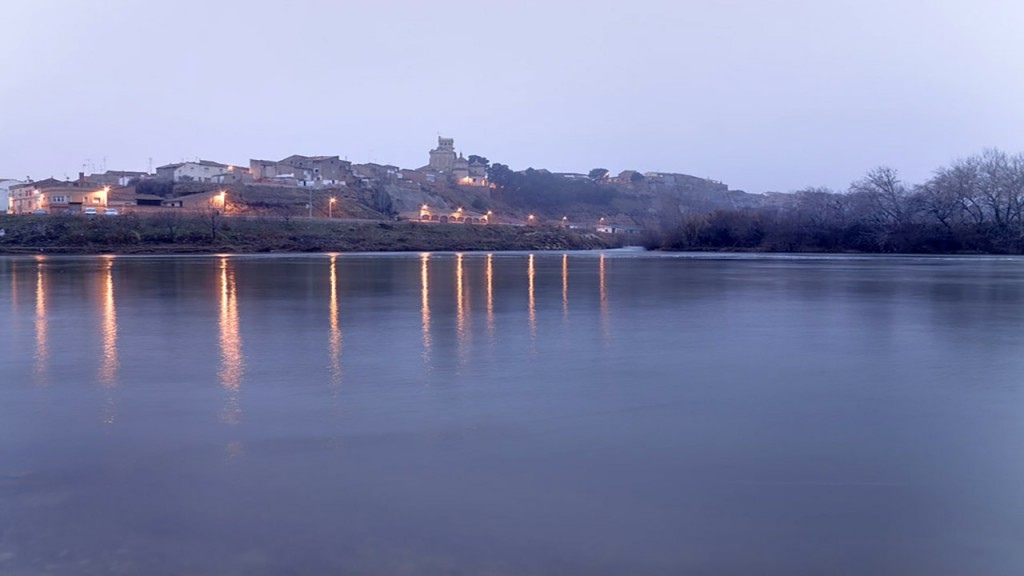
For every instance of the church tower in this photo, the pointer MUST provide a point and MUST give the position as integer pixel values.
(442, 158)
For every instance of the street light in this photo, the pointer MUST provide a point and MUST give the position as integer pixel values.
(330, 207)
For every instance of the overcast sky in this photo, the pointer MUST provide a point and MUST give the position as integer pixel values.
(762, 95)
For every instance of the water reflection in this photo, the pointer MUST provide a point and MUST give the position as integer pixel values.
(14, 288)
(530, 273)
(462, 311)
(232, 363)
(109, 361)
(334, 338)
(425, 305)
(490, 294)
(565, 286)
(603, 291)
(42, 354)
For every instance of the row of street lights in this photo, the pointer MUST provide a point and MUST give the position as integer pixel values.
(332, 200)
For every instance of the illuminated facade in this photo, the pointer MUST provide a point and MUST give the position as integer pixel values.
(445, 160)
(5, 195)
(54, 197)
(447, 216)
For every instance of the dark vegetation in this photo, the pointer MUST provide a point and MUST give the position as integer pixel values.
(544, 191)
(174, 232)
(974, 205)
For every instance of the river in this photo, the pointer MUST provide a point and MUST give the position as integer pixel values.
(511, 413)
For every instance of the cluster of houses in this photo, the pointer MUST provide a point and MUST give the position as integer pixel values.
(114, 192)
(114, 189)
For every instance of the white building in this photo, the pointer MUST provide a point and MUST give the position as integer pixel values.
(5, 195)
(198, 171)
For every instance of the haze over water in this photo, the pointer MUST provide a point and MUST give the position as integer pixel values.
(548, 413)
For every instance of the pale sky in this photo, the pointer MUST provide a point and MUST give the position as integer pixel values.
(762, 95)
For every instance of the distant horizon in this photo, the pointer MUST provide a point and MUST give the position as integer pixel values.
(761, 97)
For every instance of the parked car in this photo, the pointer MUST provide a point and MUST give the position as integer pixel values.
(110, 211)
(90, 211)
(39, 211)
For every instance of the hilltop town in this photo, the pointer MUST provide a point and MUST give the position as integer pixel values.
(450, 188)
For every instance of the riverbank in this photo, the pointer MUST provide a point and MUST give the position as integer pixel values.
(196, 234)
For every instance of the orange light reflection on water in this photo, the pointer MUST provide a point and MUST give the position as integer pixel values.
(232, 361)
(462, 310)
(530, 273)
(109, 362)
(425, 304)
(42, 355)
(335, 337)
(490, 294)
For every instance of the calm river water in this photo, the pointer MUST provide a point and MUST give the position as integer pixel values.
(581, 413)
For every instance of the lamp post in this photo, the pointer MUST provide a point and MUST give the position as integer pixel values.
(330, 207)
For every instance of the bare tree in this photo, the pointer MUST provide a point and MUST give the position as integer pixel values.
(883, 187)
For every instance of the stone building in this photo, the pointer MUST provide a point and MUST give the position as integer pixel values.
(56, 197)
(5, 194)
(198, 171)
(442, 158)
(298, 170)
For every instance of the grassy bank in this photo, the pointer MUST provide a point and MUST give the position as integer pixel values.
(179, 233)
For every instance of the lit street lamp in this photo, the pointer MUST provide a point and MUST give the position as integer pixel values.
(330, 207)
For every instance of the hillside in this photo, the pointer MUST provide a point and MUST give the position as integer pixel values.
(514, 196)
(179, 233)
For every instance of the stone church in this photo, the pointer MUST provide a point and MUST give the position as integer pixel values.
(444, 160)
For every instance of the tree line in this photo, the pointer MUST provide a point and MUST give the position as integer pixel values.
(542, 190)
(974, 205)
